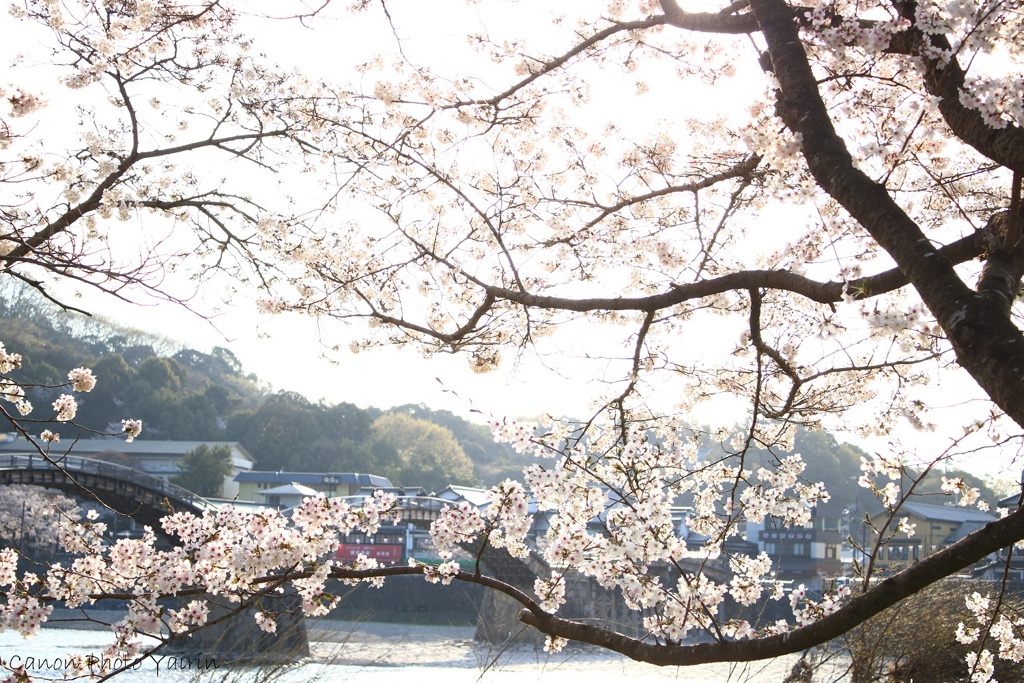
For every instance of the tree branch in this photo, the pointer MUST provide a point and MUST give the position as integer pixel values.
(973, 548)
(707, 22)
(832, 292)
(946, 81)
(986, 342)
(563, 59)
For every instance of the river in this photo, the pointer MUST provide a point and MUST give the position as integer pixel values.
(364, 652)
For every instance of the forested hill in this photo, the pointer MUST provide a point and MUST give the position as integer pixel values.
(184, 394)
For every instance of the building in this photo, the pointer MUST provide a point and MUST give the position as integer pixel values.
(286, 495)
(935, 527)
(476, 497)
(396, 491)
(808, 554)
(154, 457)
(253, 484)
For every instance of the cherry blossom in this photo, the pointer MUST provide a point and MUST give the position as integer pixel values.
(8, 361)
(845, 228)
(66, 408)
(82, 379)
(131, 429)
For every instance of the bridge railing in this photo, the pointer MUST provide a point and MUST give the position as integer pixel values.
(74, 463)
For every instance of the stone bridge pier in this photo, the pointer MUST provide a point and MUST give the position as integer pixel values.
(237, 639)
(498, 621)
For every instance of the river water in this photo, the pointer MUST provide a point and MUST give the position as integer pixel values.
(366, 652)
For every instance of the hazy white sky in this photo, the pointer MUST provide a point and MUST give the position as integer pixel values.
(286, 351)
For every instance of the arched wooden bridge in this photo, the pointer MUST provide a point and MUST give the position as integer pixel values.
(123, 489)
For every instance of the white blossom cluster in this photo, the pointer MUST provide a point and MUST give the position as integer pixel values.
(554, 644)
(9, 389)
(771, 497)
(629, 489)
(509, 518)
(20, 102)
(82, 379)
(889, 465)
(443, 572)
(808, 611)
(65, 406)
(550, 592)
(848, 31)
(975, 29)
(748, 581)
(131, 429)
(968, 495)
(15, 393)
(456, 525)
(8, 361)
(998, 629)
(34, 513)
(227, 553)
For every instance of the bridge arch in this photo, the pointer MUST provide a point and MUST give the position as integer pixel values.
(123, 489)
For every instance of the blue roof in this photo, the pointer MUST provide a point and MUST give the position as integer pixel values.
(307, 478)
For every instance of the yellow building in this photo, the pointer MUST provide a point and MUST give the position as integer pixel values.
(935, 526)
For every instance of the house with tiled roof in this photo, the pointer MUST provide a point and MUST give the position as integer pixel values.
(935, 527)
(286, 495)
(476, 497)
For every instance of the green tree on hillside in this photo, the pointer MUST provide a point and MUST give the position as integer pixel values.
(281, 432)
(202, 470)
(287, 431)
(426, 454)
(493, 461)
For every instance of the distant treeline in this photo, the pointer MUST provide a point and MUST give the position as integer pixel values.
(183, 394)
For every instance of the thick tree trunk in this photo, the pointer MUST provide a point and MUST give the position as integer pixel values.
(987, 344)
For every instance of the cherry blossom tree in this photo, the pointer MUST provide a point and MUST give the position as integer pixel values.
(832, 188)
(29, 517)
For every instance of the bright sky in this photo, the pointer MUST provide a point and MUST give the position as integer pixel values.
(287, 351)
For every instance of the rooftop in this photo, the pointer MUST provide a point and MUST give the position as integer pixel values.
(291, 489)
(946, 513)
(307, 478)
(139, 447)
(474, 496)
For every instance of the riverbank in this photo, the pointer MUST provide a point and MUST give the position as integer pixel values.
(412, 648)
(368, 643)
